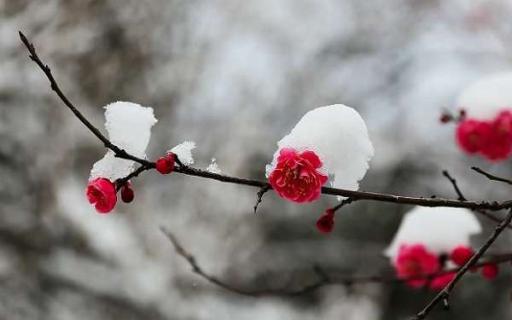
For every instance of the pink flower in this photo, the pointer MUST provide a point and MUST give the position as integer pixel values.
(296, 176)
(325, 223)
(415, 261)
(492, 139)
(165, 164)
(473, 135)
(490, 271)
(499, 143)
(439, 282)
(102, 194)
(461, 254)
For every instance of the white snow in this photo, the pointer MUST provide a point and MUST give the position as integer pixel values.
(184, 152)
(439, 229)
(214, 167)
(129, 127)
(485, 98)
(338, 135)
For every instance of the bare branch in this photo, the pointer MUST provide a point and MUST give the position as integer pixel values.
(323, 279)
(455, 186)
(445, 293)
(491, 176)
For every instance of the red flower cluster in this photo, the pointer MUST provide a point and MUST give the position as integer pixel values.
(102, 193)
(296, 176)
(492, 139)
(415, 263)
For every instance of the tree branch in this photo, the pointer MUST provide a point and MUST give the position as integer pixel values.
(323, 279)
(444, 294)
(354, 195)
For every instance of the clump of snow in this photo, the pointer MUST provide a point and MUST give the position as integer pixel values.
(214, 167)
(438, 229)
(485, 98)
(184, 152)
(129, 127)
(338, 135)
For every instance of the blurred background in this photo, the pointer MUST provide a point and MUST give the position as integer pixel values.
(234, 76)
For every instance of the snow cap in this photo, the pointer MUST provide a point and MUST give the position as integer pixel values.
(486, 97)
(439, 229)
(129, 127)
(338, 135)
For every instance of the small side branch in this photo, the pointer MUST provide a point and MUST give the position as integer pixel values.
(461, 197)
(455, 185)
(121, 181)
(259, 196)
(491, 176)
(343, 203)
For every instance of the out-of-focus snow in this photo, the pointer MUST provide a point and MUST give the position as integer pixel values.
(213, 167)
(338, 135)
(129, 127)
(184, 152)
(485, 98)
(439, 229)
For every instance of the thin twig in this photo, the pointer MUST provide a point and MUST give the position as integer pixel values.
(354, 195)
(259, 196)
(461, 197)
(342, 203)
(455, 185)
(445, 293)
(491, 176)
(121, 181)
(323, 279)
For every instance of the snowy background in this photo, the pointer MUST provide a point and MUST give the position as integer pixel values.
(234, 76)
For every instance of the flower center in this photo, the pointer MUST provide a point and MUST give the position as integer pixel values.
(413, 267)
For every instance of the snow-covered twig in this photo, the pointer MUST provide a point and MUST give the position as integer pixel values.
(120, 153)
(354, 195)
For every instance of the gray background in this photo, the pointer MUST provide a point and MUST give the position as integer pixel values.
(234, 76)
